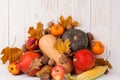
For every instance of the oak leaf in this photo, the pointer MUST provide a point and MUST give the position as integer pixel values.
(35, 64)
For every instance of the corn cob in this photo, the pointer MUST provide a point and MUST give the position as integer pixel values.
(93, 73)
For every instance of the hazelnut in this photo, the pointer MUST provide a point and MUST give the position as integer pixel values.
(50, 24)
(51, 62)
(90, 36)
(44, 77)
(47, 31)
(44, 59)
(90, 39)
(69, 26)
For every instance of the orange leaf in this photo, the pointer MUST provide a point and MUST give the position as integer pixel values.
(37, 33)
(11, 54)
(68, 21)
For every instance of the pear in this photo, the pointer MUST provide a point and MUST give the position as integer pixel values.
(44, 70)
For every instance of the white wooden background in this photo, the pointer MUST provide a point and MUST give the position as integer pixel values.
(100, 17)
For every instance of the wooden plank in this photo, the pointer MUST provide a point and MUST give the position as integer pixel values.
(40, 11)
(3, 30)
(16, 23)
(3, 24)
(49, 9)
(115, 54)
(81, 13)
(64, 8)
(32, 14)
(101, 22)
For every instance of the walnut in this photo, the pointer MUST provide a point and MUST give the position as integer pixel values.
(63, 59)
(44, 77)
(47, 31)
(51, 62)
(44, 59)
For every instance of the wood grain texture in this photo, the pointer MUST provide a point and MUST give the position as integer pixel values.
(49, 9)
(115, 47)
(81, 13)
(3, 24)
(4, 30)
(16, 23)
(32, 14)
(101, 17)
(64, 8)
(40, 11)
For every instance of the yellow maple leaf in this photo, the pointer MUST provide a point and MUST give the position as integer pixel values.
(61, 46)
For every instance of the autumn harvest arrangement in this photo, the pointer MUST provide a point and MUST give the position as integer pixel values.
(59, 52)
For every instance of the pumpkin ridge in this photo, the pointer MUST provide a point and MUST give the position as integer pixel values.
(77, 37)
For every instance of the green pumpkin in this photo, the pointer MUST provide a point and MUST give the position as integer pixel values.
(78, 39)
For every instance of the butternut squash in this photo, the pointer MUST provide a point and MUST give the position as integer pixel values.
(46, 44)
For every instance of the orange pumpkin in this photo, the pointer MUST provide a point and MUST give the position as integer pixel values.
(97, 47)
(57, 30)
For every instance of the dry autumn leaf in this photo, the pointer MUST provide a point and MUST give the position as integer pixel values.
(35, 64)
(68, 21)
(38, 32)
(102, 62)
(61, 46)
(11, 54)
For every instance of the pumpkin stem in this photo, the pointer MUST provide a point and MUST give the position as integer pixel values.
(57, 28)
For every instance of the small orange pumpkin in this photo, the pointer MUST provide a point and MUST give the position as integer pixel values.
(57, 30)
(97, 48)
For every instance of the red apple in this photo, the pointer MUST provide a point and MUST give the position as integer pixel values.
(83, 60)
(32, 43)
(12, 68)
(58, 72)
(25, 62)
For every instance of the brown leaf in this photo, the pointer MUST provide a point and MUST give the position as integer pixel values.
(11, 54)
(38, 32)
(102, 62)
(61, 46)
(35, 64)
